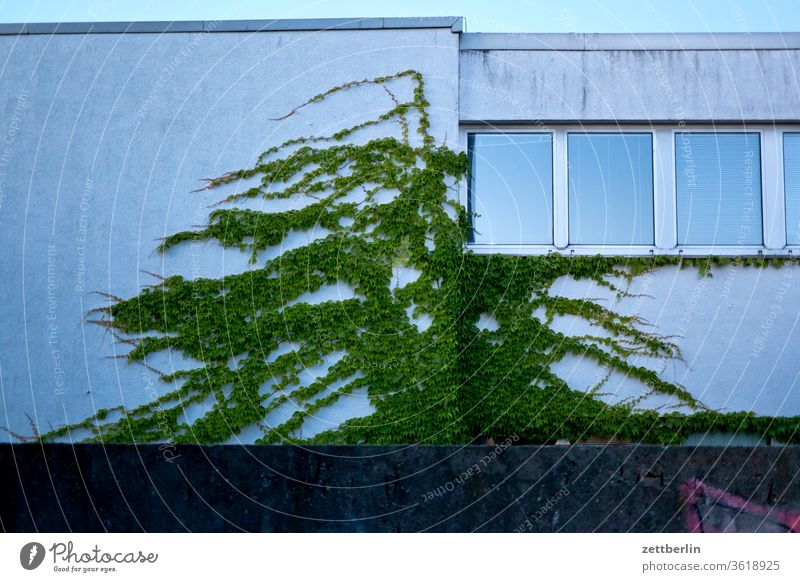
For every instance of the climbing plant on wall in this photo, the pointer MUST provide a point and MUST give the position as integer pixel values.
(387, 206)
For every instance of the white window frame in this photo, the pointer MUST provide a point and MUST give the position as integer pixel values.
(665, 223)
(767, 202)
(588, 130)
(781, 133)
(466, 188)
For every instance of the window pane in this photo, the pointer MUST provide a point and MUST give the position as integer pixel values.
(718, 181)
(610, 188)
(511, 188)
(791, 186)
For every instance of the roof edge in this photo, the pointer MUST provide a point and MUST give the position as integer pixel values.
(715, 41)
(454, 23)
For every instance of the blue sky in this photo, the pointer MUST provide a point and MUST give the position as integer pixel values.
(482, 15)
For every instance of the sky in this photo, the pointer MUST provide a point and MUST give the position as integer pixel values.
(481, 15)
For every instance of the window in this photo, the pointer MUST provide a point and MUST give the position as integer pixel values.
(791, 186)
(696, 190)
(610, 188)
(511, 188)
(718, 187)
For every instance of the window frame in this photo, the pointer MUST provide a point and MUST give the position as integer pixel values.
(782, 136)
(665, 194)
(720, 249)
(470, 202)
(594, 130)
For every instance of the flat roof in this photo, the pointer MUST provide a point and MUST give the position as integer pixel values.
(468, 41)
(454, 23)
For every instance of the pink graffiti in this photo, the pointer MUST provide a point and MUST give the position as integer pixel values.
(712, 510)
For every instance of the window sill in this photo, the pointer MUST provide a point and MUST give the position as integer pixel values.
(633, 251)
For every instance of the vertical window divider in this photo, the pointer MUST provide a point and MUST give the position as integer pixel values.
(560, 189)
(773, 199)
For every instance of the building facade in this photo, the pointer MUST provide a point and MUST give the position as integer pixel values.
(652, 152)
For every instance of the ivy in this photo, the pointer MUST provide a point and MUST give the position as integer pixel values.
(448, 383)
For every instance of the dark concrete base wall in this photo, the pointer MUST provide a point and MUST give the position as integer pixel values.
(398, 489)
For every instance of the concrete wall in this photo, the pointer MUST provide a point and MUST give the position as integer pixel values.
(629, 85)
(399, 489)
(103, 137)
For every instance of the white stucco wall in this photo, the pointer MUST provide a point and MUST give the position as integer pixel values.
(103, 137)
(738, 332)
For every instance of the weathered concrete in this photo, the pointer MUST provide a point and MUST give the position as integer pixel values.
(629, 85)
(475, 488)
(642, 41)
